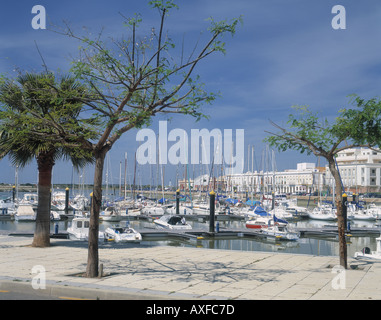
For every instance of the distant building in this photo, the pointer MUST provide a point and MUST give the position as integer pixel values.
(360, 170)
(305, 178)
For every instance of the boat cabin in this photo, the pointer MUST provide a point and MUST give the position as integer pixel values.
(79, 223)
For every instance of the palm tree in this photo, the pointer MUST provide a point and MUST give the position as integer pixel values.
(28, 104)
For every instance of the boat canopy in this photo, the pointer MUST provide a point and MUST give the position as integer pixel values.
(162, 200)
(253, 203)
(279, 220)
(261, 212)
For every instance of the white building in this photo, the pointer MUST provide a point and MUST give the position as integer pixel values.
(305, 178)
(360, 170)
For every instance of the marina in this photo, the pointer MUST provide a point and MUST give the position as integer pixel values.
(228, 235)
(229, 229)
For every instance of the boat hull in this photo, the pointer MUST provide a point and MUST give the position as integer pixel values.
(172, 227)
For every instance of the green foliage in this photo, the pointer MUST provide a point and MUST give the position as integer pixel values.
(41, 114)
(136, 78)
(306, 132)
(163, 5)
(223, 27)
(361, 124)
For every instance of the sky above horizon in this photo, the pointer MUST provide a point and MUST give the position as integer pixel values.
(285, 53)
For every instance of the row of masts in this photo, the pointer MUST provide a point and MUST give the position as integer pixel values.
(128, 185)
(214, 174)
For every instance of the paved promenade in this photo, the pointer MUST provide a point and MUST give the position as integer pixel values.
(160, 272)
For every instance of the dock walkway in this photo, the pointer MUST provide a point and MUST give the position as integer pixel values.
(163, 272)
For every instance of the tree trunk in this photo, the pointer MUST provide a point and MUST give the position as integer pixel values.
(93, 258)
(340, 217)
(45, 163)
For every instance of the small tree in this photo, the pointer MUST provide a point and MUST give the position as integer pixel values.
(37, 109)
(306, 132)
(137, 78)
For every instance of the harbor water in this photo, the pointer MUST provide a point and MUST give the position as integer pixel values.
(305, 245)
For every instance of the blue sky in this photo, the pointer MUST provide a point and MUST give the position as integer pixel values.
(285, 53)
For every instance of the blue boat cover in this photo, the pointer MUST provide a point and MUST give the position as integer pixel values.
(261, 212)
(252, 203)
(279, 220)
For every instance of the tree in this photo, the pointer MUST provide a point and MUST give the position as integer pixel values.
(137, 78)
(306, 132)
(29, 103)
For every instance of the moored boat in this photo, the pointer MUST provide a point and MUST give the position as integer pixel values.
(152, 209)
(323, 213)
(358, 213)
(182, 210)
(258, 222)
(122, 234)
(366, 253)
(281, 212)
(280, 232)
(173, 222)
(79, 229)
(110, 214)
(25, 212)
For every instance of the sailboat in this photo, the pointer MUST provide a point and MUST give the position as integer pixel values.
(281, 212)
(355, 212)
(182, 210)
(323, 212)
(152, 208)
(110, 214)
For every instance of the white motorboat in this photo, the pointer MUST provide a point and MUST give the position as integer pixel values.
(366, 253)
(280, 232)
(80, 202)
(172, 222)
(30, 198)
(7, 208)
(25, 212)
(261, 222)
(323, 213)
(122, 234)
(110, 214)
(79, 229)
(58, 200)
(54, 216)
